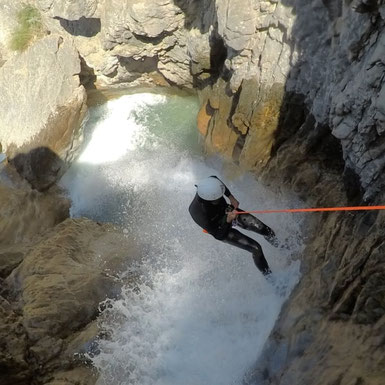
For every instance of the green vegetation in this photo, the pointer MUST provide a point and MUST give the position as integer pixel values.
(30, 27)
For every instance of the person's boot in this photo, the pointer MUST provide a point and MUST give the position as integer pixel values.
(271, 237)
(261, 263)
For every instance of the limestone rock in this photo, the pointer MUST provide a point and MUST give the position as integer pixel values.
(65, 276)
(199, 51)
(122, 19)
(56, 292)
(339, 340)
(8, 24)
(236, 22)
(203, 119)
(69, 9)
(143, 40)
(174, 66)
(13, 347)
(78, 376)
(24, 215)
(42, 108)
(153, 19)
(329, 52)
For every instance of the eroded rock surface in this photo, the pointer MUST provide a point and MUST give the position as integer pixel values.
(332, 330)
(290, 89)
(69, 9)
(24, 214)
(54, 273)
(56, 291)
(42, 106)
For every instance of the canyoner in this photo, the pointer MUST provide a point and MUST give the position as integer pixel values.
(210, 211)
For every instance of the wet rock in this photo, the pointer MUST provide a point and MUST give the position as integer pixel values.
(329, 330)
(78, 376)
(13, 347)
(65, 277)
(25, 214)
(42, 110)
(203, 118)
(55, 292)
(9, 259)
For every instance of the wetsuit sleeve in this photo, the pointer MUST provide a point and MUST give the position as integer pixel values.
(227, 191)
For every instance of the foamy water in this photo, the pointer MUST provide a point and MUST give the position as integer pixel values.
(203, 311)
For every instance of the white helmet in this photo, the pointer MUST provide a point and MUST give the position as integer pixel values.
(210, 189)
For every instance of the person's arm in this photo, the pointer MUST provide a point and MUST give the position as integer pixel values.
(233, 201)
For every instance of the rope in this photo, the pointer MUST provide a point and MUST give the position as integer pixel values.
(353, 208)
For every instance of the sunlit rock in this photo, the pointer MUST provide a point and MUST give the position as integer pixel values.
(69, 9)
(42, 106)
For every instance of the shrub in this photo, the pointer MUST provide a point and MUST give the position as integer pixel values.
(30, 27)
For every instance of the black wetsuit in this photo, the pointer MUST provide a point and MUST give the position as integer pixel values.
(212, 217)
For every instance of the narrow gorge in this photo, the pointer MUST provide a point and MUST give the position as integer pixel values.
(288, 96)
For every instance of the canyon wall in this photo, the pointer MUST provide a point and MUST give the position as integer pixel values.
(54, 273)
(291, 90)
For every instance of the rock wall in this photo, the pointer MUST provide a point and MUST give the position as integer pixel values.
(299, 102)
(332, 329)
(248, 60)
(42, 106)
(54, 273)
(292, 90)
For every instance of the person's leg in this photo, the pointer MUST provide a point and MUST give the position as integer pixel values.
(250, 222)
(236, 238)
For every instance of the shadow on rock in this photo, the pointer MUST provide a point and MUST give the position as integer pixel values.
(41, 167)
(87, 27)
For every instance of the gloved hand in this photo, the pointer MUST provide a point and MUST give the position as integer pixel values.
(271, 237)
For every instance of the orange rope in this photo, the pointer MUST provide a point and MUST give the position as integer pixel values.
(353, 208)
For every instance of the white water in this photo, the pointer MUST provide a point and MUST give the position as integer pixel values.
(203, 311)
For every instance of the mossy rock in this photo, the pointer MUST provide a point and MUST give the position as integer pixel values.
(30, 28)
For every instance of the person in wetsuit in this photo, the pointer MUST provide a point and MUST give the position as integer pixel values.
(212, 213)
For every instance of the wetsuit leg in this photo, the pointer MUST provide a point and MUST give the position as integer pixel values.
(236, 238)
(250, 222)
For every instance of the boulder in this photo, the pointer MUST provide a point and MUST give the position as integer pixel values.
(66, 275)
(42, 106)
(56, 292)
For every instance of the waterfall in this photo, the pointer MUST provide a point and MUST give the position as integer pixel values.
(200, 312)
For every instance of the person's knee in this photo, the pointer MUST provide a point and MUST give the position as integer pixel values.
(249, 222)
(257, 250)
